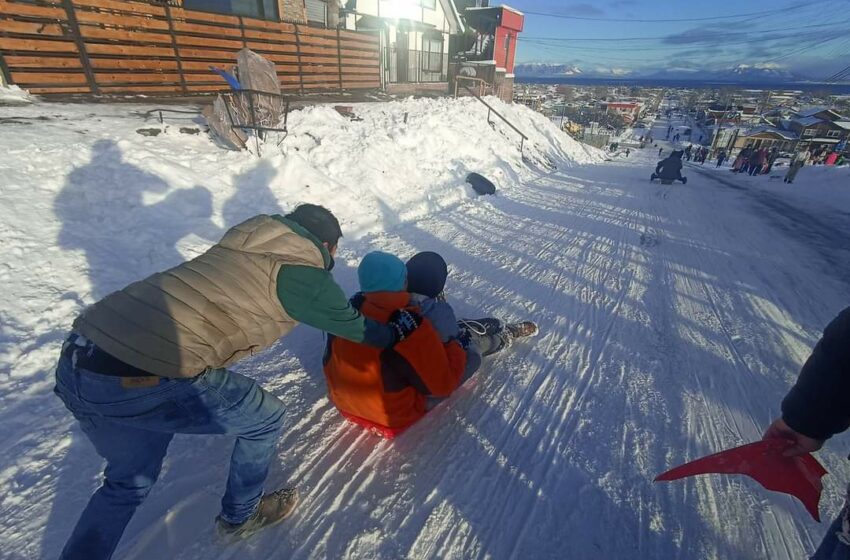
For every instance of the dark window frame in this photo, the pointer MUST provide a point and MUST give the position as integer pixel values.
(259, 14)
(316, 23)
(428, 58)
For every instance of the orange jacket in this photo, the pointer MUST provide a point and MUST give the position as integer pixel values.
(386, 389)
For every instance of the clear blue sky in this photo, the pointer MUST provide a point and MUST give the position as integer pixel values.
(811, 38)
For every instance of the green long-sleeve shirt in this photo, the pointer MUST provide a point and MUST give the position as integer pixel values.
(311, 296)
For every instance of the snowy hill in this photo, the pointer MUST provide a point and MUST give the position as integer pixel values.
(759, 72)
(673, 320)
(741, 73)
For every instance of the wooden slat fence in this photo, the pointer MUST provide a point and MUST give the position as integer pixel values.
(138, 47)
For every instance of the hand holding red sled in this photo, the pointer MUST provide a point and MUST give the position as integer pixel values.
(763, 461)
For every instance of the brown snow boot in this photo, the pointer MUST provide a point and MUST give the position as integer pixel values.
(522, 329)
(273, 509)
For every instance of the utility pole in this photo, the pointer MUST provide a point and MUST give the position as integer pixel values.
(732, 143)
(563, 111)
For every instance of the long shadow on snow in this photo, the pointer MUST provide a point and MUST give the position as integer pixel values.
(700, 357)
(633, 332)
(676, 234)
(722, 365)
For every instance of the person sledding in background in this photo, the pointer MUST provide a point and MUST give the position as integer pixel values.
(387, 392)
(670, 168)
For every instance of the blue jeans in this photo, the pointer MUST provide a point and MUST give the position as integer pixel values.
(131, 421)
(836, 542)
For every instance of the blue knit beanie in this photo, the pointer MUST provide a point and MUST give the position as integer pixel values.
(381, 272)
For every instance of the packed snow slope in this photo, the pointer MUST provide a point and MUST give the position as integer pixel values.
(673, 320)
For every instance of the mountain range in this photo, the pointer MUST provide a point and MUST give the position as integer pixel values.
(738, 73)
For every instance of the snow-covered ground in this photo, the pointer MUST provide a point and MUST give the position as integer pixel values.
(673, 321)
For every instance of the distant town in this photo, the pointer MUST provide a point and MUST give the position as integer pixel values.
(724, 119)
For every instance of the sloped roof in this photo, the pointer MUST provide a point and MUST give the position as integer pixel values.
(453, 16)
(786, 134)
(808, 121)
(809, 111)
(842, 124)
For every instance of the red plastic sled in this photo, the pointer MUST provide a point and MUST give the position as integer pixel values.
(763, 461)
(383, 431)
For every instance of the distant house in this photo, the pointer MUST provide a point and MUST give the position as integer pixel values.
(749, 113)
(721, 114)
(414, 39)
(765, 137)
(733, 114)
(629, 110)
(820, 128)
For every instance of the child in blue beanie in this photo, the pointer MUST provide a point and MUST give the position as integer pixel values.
(381, 272)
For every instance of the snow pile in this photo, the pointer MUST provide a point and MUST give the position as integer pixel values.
(90, 204)
(408, 158)
(13, 95)
(83, 189)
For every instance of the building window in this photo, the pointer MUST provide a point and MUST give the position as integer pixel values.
(317, 12)
(809, 132)
(833, 134)
(432, 54)
(260, 9)
(431, 4)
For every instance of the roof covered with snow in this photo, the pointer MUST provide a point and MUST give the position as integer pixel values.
(811, 111)
(809, 121)
(786, 134)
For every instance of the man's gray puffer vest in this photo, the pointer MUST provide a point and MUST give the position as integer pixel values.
(208, 312)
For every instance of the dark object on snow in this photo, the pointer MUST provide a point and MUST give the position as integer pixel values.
(189, 130)
(481, 184)
(149, 131)
(347, 111)
(763, 461)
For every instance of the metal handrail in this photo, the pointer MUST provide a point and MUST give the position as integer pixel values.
(492, 110)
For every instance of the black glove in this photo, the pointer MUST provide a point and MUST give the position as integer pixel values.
(357, 300)
(403, 323)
